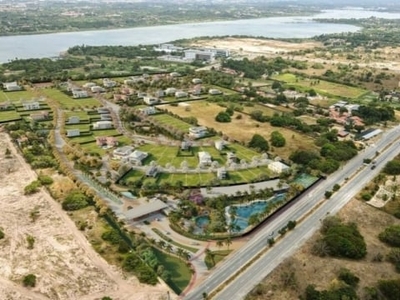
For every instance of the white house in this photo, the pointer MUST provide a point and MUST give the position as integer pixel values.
(136, 157)
(78, 94)
(214, 92)
(122, 152)
(181, 94)
(278, 167)
(102, 125)
(88, 85)
(170, 91)
(109, 83)
(204, 158)
(160, 93)
(150, 100)
(231, 157)
(151, 110)
(196, 81)
(219, 145)
(174, 74)
(222, 173)
(31, 105)
(97, 89)
(74, 120)
(12, 86)
(73, 132)
(198, 132)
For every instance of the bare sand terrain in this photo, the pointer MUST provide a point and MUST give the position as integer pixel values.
(64, 262)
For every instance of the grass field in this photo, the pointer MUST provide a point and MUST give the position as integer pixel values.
(79, 113)
(267, 110)
(9, 115)
(16, 96)
(94, 148)
(180, 272)
(68, 102)
(323, 87)
(168, 120)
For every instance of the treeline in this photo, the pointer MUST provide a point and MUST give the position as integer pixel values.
(115, 51)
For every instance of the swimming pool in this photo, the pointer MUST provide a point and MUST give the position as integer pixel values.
(202, 221)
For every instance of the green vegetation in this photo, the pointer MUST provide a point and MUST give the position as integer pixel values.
(75, 200)
(223, 117)
(390, 289)
(171, 241)
(392, 167)
(32, 188)
(259, 143)
(214, 257)
(340, 240)
(29, 280)
(391, 236)
(31, 241)
(2, 235)
(277, 139)
(133, 263)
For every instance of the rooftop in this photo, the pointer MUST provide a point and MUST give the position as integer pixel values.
(145, 209)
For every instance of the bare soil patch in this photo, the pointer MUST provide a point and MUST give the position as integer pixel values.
(64, 262)
(322, 272)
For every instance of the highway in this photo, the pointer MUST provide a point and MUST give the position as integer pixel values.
(245, 281)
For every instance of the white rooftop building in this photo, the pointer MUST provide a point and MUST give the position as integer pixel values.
(204, 158)
(136, 157)
(278, 167)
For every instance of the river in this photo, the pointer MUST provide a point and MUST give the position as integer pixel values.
(51, 45)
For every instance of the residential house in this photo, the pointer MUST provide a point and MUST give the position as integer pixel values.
(186, 145)
(180, 94)
(121, 97)
(175, 74)
(168, 48)
(102, 125)
(150, 100)
(214, 92)
(150, 110)
(170, 91)
(204, 158)
(278, 167)
(12, 86)
(31, 105)
(136, 157)
(107, 83)
(79, 94)
(5, 105)
(105, 117)
(122, 152)
(159, 93)
(74, 120)
(40, 116)
(152, 171)
(97, 89)
(231, 157)
(103, 110)
(222, 173)
(106, 141)
(196, 81)
(219, 145)
(89, 85)
(73, 132)
(198, 132)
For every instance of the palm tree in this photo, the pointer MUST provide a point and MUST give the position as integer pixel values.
(179, 252)
(168, 248)
(186, 255)
(220, 243)
(161, 244)
(228, 242)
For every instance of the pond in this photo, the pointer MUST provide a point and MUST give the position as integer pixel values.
(245, 211)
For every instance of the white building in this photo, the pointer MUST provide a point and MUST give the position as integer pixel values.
(160, 93)
(31, 105)
(97, 89)
(122, 152)
(198, 132)
(204, 158)
(151, 110)
(168, 48)
(88, 85)
(73, 132)
(109, 83)
(214, 92)
(170, 91)
(150, 100)
(196, 81)
(175, 74)
(222, 173)
(74, 120)
(278, 167)
(180, 94)
(78, 94)
(219, 145)
(102, 125)
(12, 86)
(136, 157)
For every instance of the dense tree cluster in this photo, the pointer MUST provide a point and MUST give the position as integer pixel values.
(115, 51)
(339, 151)
(391, 235)
(259, 142)
(75, 200)
(372, 114)
(392, 167)
(277, 139)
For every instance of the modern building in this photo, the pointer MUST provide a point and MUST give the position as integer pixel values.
(204, 158)
(102, 125)
(40, 116)
(11, 86)
(97, 89)
(74, 120)
(145, 210)
(150, 110)
(214, 92)
(198, 132)
(136, 157)
(231, 157)
(150, 100)
(73, 132)
(278, 167)
(222, 173)
(219, 145)
(106, 141)
(31, 105)
(79, 94)
(180, 94)
(122, 152)
(168, 48)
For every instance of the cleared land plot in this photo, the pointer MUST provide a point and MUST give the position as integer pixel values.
(83, 115)
(94, 148)
(168, 120)
(323, 87)
(68, 102)
(9, 115)
(192, 179)
(268, 110)
(16, 96)
(244, 128)
(308, 120)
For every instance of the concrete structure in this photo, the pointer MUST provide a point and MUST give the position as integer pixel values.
(278, 167)
(219, 145)
(31, 105)
(11, 86)
(145, 210)
(79, 94)
(5, 105)
(74, 120)
(170, 91)
(106, 141)
(198, 132)
(150, 100)
(193, 54)
(73, 132)
(196, 81)
(136, 157)
(222, 173)
(88, 85)
(151, 110)
(214, 92)
(103, 125)
(204, 158)
(40, 116)
(168, 48)
(122, 152)
(97, 89)
(181, 94)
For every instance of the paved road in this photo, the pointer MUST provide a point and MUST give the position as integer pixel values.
(243, 283)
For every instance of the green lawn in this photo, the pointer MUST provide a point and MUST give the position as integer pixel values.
(180, 272)
(9, 115)
(68, 102)
(323, 87)
(16, 96)
(168, 120)
(81, 114)
(171, 241)
(94, 148)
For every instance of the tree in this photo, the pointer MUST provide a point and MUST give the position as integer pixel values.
(348, 277)
(29, 280)
(75, 200)
(277, 139)
(391, 236)
(32, 188)
(259, 142)
(223, 117)
(328, 194)
(220, 243)
(1, 234)
(291, 225)
(228, 242)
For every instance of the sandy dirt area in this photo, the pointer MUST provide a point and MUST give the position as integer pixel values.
(252, 46)
(64, 262)
(322, 272)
